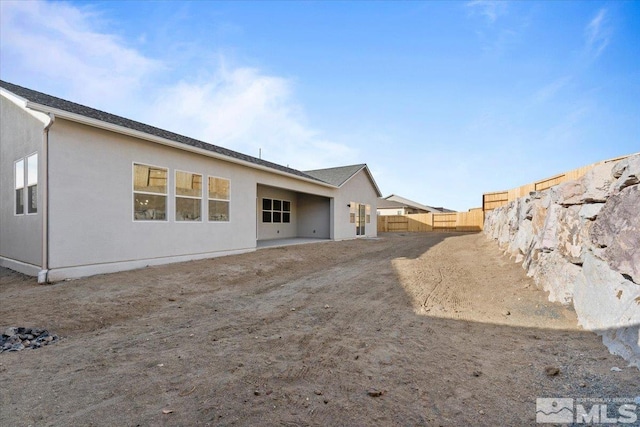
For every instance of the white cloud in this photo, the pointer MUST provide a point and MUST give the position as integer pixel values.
(597, 33)
(247, 111)
(55, 43)
(489, 9)
(59, 48)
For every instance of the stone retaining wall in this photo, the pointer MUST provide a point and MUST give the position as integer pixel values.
(580, 241)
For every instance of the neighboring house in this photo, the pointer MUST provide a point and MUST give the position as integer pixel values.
(86, 192)
(396, 205)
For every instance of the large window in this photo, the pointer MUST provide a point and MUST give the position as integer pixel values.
(19, 186)
(149, 193)
(188, 196)
(274, 210)
(218, 199)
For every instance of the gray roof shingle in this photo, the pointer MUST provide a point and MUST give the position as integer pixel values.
(71, 107)
(336, 176)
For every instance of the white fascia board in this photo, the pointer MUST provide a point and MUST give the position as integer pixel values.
(163, 141)
(23, 104)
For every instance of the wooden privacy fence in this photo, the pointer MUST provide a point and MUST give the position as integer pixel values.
(496, 199)
(474, 219)
(450, 221)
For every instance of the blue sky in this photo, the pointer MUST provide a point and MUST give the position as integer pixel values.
(443, 100)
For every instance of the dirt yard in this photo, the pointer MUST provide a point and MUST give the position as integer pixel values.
(421, 329)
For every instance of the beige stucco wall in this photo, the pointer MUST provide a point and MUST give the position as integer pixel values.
(391, 211)
(91, 208)
(358, 189)
(314, 216)
(20, 235)
(91, 201)
(268, 231)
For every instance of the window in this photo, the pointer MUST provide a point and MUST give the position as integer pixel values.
(188, 196)
(26, 171)
(274, 210)
(218, 199)
(19, 186)
(149, 193)
(352, 212)
(368, 210)
(32, 184)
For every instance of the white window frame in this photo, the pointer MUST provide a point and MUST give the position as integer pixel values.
(27, 204)
(133, 192)
(228, 200)
(176, 196)
(15, 187)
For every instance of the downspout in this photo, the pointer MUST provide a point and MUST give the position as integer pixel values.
(43, 275)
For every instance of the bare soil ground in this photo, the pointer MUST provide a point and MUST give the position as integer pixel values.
(402, 330)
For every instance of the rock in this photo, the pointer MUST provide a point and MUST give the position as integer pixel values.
(557, 276)
(22, 338)
(617, 229)
(552, 371)
(522, 240)
(593, 187)
(616, 369)
(16, 347)
(375, 393)
(481, 412)
(570, 234)
(11, 331)
(605, 300)
(628, 173)
(506, 313)
(569, 193)
(590, 211)
(624, 342)
(318, 392)
(549, 237)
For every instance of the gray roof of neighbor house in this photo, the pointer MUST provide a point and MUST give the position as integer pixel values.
(53, 102)
(390, 204)
(399, 201)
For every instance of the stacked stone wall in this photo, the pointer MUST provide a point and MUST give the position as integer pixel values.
(580, 241)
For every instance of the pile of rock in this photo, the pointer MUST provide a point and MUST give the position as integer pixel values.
(580, 241)
(18, 338)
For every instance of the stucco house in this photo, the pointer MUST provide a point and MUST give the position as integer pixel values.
(87, 192)
(397, 205)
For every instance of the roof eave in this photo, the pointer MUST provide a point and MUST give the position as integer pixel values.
(163, 141)
(23, 104)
